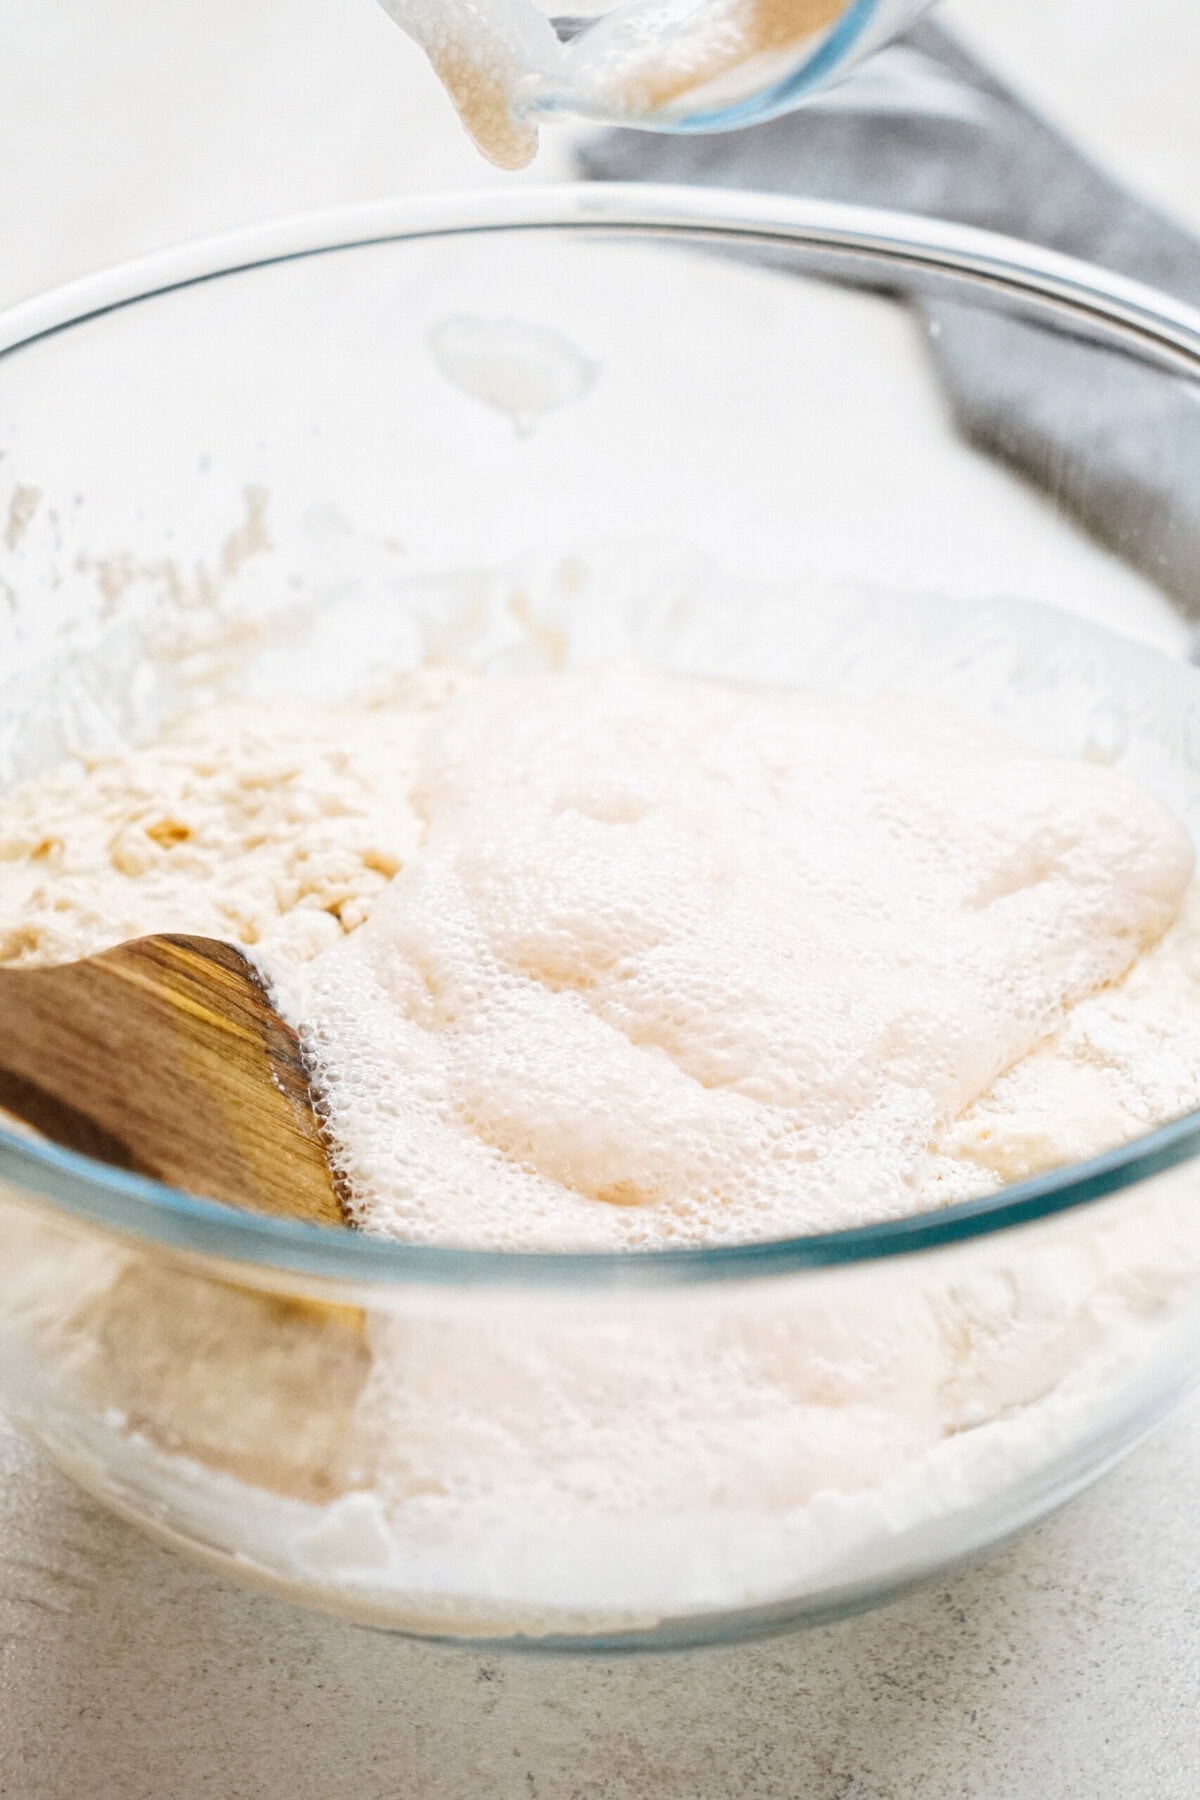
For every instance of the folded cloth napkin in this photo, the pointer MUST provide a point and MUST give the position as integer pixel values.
(927, 128)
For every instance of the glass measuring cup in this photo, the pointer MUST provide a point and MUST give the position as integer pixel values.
(660, 65)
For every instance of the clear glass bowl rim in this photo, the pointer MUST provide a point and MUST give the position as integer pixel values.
(1156, 328)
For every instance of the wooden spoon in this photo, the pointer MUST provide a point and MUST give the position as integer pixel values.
(166, 1057)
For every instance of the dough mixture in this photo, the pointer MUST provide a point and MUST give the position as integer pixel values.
(610, 958)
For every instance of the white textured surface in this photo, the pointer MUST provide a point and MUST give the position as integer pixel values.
(1063, 1669)
(1067, 1667)
(607, 1005)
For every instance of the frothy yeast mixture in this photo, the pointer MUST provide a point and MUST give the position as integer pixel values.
(678, 962)
(499, 60)
(614, 958)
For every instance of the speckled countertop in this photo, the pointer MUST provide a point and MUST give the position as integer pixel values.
(1067, 1667)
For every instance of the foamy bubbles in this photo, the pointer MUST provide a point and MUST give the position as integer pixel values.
(680, 963)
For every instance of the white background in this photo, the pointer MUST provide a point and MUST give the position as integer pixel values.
(1066, 1668)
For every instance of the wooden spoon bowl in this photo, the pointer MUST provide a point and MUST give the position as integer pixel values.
(166, 1057)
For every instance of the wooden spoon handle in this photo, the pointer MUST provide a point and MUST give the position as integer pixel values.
(165, 1057)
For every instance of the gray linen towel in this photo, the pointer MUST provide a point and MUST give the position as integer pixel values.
(927, 128)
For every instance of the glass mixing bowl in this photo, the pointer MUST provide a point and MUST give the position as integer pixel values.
(323, 449)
